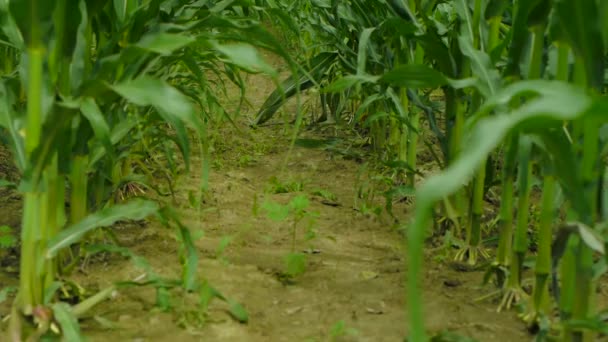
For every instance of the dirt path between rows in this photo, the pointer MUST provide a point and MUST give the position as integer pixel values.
(354, 284)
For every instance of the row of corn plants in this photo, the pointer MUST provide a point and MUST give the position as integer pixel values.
(523, 103)
(98, 101)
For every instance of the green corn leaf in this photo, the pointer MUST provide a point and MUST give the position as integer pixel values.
(364, 41)
(539, 15)
(591, 238)
(36, 24)
(173, 106)
(414, 76)
(9, 27)
(7, 120)
(191, 259)
(555, 103)
(118, 133)
(133, 210)
(96, 119)
(482, 68)
(290, 87)
(164, 43)
(149, 91)
(347, 82)
(276, 211)
(580, 23)
(519, 36)
(67, 321)
(246, 57)
(238, 312)
(299, 203)
(124, 9)
(81, 56)
(495, 8)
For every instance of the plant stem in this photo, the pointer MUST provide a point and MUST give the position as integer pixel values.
(545, 237)
(30, 293)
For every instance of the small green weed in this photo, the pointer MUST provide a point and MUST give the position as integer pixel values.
(278, 187)
(8, 239)
(325, 194)
(340, 330)
(296, 211)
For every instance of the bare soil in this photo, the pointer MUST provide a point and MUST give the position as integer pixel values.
(356, 271)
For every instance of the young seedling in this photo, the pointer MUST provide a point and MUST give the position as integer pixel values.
(295, 211)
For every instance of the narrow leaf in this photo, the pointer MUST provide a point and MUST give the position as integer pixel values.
(164, 43)
(414, 76)
(133, 210)
(67, 321)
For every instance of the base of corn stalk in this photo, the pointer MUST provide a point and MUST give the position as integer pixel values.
(510, 297)
(472, 254)
(532, 317)
(500, 273)
(42, 322)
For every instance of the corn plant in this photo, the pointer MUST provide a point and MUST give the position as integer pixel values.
(529, 117)
(79, 100)
(522, 85)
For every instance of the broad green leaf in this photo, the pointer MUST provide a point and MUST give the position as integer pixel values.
(9, 27)
(591, 238)
(149, 91)
(539, 15)
(118, 133)
(580, 22)
(207, 294)
(364, 41)
(276, 211)
(81, 57)
(246, 57)
(349, 81)
(173, 106)
(299, 203)
(35, 25)
(402, 9)
(482, 68)
(519, 36)
(50, 291)
(8, 121)
(238, 312)
(495, 8)
(290, 87)
(191, 259)
(124, 9)
(221, 6)
(133, 210)
(164, 43)
(67, 321)
(414, 76)
(96, 119)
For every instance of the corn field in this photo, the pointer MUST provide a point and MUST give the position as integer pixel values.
(316, 170)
